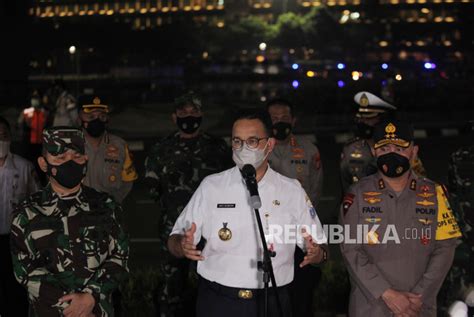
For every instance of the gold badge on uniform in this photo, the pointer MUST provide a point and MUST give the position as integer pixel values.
(372, 200)
(425, 221)
(425, 203)
(425, 195)
(372, 237)
(224, 233)
(372, 194)
(373, 220)
(112, 178)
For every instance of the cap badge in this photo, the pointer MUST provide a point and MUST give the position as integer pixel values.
(96, 101)
(364, 101)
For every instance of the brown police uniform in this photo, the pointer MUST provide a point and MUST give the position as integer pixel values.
(300, 159)
(421, 218)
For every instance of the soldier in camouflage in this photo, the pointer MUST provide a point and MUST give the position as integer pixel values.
(357, 160)
(68, 248)
(175, 167)
(461, 188)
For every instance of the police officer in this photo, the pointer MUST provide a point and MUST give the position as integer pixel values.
(219, 212)
(297, 158)
(410, 233)
(18, 180)
(110, 167)
(357, 160)
(461, 196)
(69, 251)
(174, 168)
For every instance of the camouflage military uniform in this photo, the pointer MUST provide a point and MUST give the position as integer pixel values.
(357, 162)
(461, 187)
(174, 169)
(68, 245)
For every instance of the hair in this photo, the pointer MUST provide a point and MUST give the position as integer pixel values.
(256, 114)
(6, 124)
(280, 102)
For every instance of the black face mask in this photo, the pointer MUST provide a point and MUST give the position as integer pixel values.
(95, 128)
(393, 164)
(69, 174)
(364, 130)
(189, 124)
(281, 130)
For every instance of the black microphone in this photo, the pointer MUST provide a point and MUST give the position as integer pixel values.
(248, 173)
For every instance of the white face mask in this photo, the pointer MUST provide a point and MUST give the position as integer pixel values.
(248, 156)
(4, 148)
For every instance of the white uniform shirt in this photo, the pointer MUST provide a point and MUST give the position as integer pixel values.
(17, 181)
(224, 199)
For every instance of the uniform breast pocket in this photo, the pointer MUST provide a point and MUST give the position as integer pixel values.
(47, 242)
(95, 245)
(225, 231)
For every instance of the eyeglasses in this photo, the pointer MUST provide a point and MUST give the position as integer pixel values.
(252, 142)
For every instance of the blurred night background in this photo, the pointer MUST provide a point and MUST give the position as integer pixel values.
(141, 54)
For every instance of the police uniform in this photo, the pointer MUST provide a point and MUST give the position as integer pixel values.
(220, 208)
(110, 166)
(356, 157)
(299, 159)
(69, 244)
(18, 180)
(174, 168)
(427, 231)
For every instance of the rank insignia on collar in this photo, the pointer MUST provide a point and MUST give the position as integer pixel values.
(425, 221)
(372, 200)
(425, 195)
(373, 220)
(372, 194)
(425, 203)
(413, 184)
(381, 184)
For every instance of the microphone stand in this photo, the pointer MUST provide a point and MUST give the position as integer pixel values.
(267, 268)
(249, 173)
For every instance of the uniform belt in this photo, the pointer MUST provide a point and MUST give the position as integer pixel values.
(233, 292)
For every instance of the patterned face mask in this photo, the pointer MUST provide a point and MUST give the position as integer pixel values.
(253, 157)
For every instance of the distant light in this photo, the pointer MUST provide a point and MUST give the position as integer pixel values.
(295, 66)
(292, 51)
(355, 15)
(340, 84)
(295, 84)
(263, 99)
(384, 83)
(428, 65)
(356, 75)
(205, 55)
(262, 46)
(383, 43)
(398, 77)
(260, 58)
(310, 73)
(220, 24)
(425, 10)
(72, 49)
(341, 66)
(384, 66)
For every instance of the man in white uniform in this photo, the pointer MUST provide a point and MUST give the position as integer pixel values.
(18, 180)
(220, 213)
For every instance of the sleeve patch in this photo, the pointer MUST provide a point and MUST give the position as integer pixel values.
(447, 227)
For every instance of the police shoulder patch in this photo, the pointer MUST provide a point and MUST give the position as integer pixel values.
(347, 202)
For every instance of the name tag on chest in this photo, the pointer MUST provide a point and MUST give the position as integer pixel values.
(225, 205)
